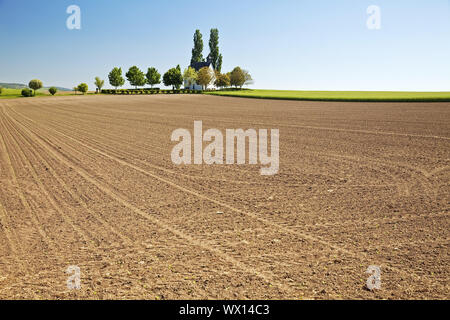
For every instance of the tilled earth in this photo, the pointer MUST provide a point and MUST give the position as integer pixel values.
(89, 182)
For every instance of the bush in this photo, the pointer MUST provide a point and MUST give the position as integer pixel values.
(1, 89)
(83, 87)
(141, 91)
(26, 92)
(52, 90)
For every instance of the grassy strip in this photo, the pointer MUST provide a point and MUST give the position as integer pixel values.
(361, 96)
(17, 93)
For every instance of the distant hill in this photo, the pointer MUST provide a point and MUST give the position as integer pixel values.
(21, 86)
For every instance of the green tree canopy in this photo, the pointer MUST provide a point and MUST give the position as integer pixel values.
(222, 81)
(136, 77)
(204, 77)
(214, 48)
(99, 83)
(153, 77)
(173, 78)
(190, 76)
(115, 78)
(83, 87)
(52, 90)
(237, 77)
(35, 84)
(219, 63)
(197, 51)
(26, 92)
(1, 89)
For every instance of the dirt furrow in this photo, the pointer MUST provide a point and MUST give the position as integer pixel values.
(359, 184)
(265, 276)
(308, 237)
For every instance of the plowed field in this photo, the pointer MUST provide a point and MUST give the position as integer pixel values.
(89, 181)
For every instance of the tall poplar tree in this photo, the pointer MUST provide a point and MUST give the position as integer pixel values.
(214, 48)
(197, 51)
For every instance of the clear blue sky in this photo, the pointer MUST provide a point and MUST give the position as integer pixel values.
(285, 44)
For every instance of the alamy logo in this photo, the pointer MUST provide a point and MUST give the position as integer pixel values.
(374, 281)
(374, 20)
(74, 20)
(235, 147)
(74, 280)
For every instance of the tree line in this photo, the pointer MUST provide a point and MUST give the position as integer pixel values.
(174, 77)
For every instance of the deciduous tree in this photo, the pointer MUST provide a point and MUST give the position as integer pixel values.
(99, 83)
(222, 81)
(190, 76)
(83, 87)
(153, 77)
(136, 77)
(35, 84)
(173, 78)
(237, 77)
(115, 78)
(204, 77)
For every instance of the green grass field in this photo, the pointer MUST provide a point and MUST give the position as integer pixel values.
(17, 93)
(379, 96)
(375, 96)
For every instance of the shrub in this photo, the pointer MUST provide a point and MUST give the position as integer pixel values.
(1, 89)
(26, 92)
(83, 87)
(52, 90)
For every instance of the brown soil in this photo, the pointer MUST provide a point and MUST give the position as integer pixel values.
(88, 181)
